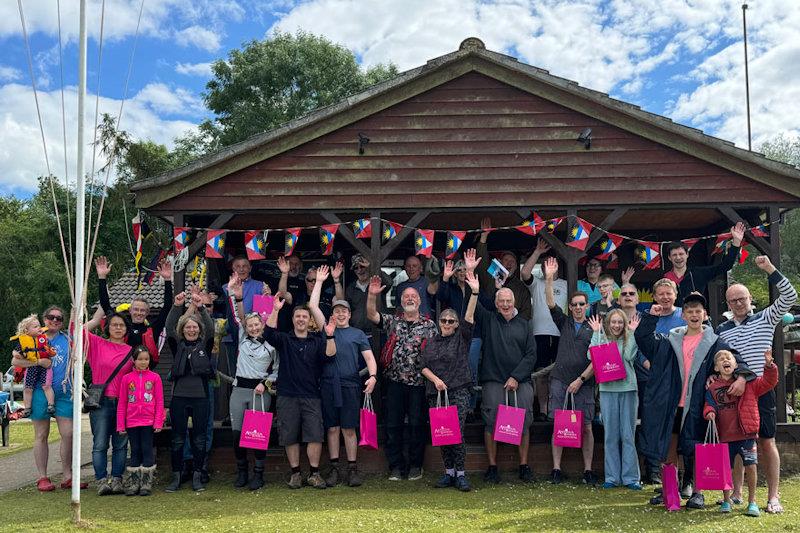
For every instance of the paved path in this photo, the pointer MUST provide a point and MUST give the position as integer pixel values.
(18, 468)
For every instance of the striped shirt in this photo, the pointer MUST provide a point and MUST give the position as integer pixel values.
(752, 336)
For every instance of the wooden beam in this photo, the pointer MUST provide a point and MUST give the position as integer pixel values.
(347, 232)
(777, 340)
(375, 244)
(759, 242)
(390, 246)
(605, 225)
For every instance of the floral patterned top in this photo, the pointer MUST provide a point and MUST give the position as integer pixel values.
(406, 364)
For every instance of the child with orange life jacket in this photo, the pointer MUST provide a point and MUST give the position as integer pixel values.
(140, 413)
(32, 345)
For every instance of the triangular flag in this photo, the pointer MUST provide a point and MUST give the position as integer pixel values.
(760, 230)
(690, 242)
(423, 242)
(327, 234)
(362, 228)
(532, 224)
(255, 244)
(609, 244)
(722, 243)
(613, 262)
(292, 236)
(140, 232)
(648, 252)
(743, 253)
(579, 234)
(552, 224)
(390, 230)
(152, 268)
(215, 243)
(454, 240)
(180, 236)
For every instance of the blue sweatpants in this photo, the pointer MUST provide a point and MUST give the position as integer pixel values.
(619, 424)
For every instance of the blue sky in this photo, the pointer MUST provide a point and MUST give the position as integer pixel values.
(679, 58)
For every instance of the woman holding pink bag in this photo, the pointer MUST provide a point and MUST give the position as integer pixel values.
(445, 363)
(619, 401)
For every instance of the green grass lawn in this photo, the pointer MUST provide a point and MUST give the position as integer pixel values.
(21, 437)
(380, 505)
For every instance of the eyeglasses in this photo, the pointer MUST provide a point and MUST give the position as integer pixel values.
(312, 280)
(209, 306)
(627, 294)
(741, 300)
(579, 304)
(448, 321)
(54, 318)
(593, 265)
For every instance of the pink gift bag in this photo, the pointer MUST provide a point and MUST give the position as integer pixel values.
(607, 363)
(509, 423)
(669, 487)
(445, 429)
(256, 427)
(369, 425)
(712, 463)
(262, 304)
(568, 425)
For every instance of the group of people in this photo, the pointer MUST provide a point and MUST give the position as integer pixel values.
(456, 329)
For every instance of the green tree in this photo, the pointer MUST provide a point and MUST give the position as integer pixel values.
(273, 81)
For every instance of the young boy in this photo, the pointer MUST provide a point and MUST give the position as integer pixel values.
(738, 419)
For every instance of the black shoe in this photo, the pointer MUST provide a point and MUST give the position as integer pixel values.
(589, 478)
(462, 484)
(241, 474)
(492, 475)
(445, 481)
(353, 477)
(655, 477)
(205, 477)
(657, 500)
(257, 481)
(395, 475)
(696, 501)
(175, 484)
(197, 483)
(333, 478)
(525, 474)
(556, 477)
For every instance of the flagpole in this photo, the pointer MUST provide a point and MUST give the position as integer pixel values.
(77, 370)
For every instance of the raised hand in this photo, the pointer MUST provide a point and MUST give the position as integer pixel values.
(330, 327)
(102, 267)
(627, 275)
(656, 310)
(550, 268)
(180, 299)
(283, 265)
(375, 286)
(266, 290)
(737, 233)
(448, 270)
(336, 273)
(763, 262)
(235, 287)
(165, 269)
(541, 246)
(278, 302)
(470, 259)
(323, 272)
(633, 322)
(768, 360)
(473, 281)
(596, 323)
(197, 300)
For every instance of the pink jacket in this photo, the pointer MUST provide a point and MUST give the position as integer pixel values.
(141, 400)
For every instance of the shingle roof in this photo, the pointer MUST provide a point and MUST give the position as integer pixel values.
(125, 289)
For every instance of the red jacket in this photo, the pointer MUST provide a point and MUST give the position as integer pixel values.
(747, 407)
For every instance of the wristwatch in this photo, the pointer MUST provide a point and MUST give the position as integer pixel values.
(583, 379)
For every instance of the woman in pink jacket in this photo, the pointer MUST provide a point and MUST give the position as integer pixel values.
(140, 413)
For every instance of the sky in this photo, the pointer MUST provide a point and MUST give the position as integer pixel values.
(683, 59)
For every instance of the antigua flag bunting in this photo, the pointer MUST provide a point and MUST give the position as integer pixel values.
(648, 252)
(152, 268)
(362, 228)
(180, 236)
(326, 235)
(760, 231)
(613, 262)
(532, 224)
(140, 232)
(552, 224)
(690, 242)
(215, 243)
(722, 243)
(454, 240)
(292, 236)
(255, 243)
(423, 242)
(390, 230)
(579, 234)
(609, 244)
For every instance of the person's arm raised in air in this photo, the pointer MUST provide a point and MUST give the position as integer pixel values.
(474, 285)
(336, 274)
(103, 269)
(283, 284)
(373, 292)
(313, 303)
(165, 271)
(527, 267)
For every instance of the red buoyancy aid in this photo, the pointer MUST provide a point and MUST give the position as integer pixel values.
(148, 339)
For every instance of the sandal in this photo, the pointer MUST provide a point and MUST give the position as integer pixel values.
(774, 506)
(26, 413)
(45, 485)
(67, 484)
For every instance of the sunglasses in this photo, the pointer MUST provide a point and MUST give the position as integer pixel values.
(627, 294)
(55, 318)
(312, 280)
(581, 304)
(448, 321)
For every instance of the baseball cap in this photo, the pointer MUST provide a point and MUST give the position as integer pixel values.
(695, 297)
(343, 303)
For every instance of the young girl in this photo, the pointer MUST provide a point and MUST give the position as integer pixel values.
(619, 401)
(32, 345)
(140, 413)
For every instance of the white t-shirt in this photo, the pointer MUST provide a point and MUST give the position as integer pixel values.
(542, 320)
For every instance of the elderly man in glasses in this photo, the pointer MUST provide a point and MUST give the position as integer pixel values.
(571, 375)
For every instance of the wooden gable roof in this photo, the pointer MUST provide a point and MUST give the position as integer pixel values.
(470, 129)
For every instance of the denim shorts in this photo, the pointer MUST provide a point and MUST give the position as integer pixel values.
(39, 404)
(746, 449)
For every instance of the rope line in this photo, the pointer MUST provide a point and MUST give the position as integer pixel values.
(64, 133)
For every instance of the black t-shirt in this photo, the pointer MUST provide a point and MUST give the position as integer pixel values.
(301, 360)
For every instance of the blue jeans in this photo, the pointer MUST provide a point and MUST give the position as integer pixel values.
(187, 446)
(621, 463)
(103, 422)
(474, 364)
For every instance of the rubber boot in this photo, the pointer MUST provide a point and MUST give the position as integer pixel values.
(133, 481)
(241, 473)
(175, 484)
(148, 473)
(205, 471)
(257, 481)
(188, 469)
(197, 481)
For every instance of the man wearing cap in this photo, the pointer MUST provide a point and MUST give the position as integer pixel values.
(680, 364)
(356, 294)
(340, 385)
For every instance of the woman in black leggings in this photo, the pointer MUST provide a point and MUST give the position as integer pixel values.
(189, 336)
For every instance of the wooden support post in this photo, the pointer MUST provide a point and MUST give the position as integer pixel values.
(759, 242)
(777, 341)
(606, 224)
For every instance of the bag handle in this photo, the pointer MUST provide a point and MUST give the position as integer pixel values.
(368, 402)
(712, 435)
(515, 398)
(569, 398)
(439, 399)
(254, 401)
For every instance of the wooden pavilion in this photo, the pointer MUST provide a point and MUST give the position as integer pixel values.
(476, 133)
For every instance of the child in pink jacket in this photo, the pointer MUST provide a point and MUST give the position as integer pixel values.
(140, 413)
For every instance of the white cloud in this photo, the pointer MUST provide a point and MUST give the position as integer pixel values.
(165, 100)
(21, 154)
(194, 69)
(9, 74)
(199, 37)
